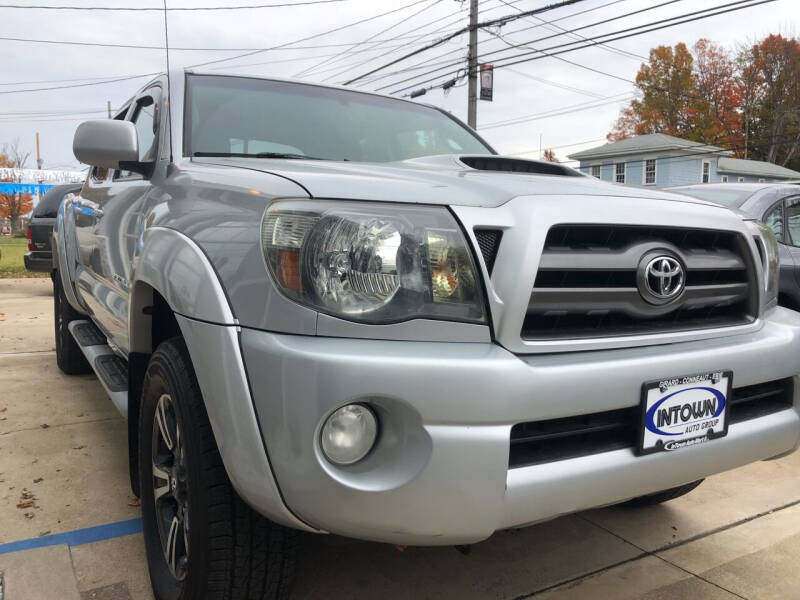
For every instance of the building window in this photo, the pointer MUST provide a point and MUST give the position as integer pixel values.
(596, 171)
(761, 180)
(619, 172)
(724, 179)
(706, 171)
(650, 171)
(740, 180)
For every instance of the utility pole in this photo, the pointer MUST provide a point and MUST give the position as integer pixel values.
(108, 104)
(472, 66)
(39, 160)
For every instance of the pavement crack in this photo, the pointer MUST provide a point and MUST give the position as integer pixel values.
(656, 552)
(37, 427)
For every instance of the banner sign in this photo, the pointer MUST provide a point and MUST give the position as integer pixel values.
(7, 187)
(487, 82)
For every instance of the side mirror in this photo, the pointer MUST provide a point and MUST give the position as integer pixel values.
(109, 144)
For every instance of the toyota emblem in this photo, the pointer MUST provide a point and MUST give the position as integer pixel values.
(661, 279)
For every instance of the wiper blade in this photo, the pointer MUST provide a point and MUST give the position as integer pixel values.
(255, 155)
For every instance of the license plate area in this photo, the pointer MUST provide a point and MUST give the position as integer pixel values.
(681, 412)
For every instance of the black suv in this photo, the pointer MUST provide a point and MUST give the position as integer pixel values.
(40, 228)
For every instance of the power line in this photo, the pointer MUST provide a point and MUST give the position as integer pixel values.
(77, 85)
(556, 112)
(490, 23)
(439, 32)
(310, 37)
(607, 47)
(571, 144)
(381, 32)
(548, 37)
(556, 84)
(552, 21)
(545, 52)
(341, 69)
(176, 8)
(184, 48)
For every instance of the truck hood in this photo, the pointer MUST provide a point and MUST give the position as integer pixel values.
(443, 179)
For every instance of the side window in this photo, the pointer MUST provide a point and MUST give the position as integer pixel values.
(774, 220)
(619, 172)
(706, 172)
(146, 127)
(145, 119)
(793, 220)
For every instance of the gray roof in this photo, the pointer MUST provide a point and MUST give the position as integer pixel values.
(758, 168)
(638, 144)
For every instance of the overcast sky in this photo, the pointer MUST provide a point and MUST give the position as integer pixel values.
(538, 87)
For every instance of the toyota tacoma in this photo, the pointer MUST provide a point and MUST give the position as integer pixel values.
(337, 312)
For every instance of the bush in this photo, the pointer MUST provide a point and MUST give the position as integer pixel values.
(19, 234)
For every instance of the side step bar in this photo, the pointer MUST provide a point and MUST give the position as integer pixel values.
(111, 370)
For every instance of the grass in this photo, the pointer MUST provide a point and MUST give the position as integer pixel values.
(12, 263)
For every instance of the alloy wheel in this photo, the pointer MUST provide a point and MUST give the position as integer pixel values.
(170, 487)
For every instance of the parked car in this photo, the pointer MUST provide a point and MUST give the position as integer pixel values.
(40, 228)
(337, 312)
(777, 205)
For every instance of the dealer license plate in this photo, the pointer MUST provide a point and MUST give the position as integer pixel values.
(685, 411)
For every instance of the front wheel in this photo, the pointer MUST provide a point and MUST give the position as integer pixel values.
(201, 539)
(69, 357)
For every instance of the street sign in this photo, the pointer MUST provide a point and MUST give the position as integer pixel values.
(487, 82)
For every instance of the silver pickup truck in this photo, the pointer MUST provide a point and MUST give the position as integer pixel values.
(338, 312)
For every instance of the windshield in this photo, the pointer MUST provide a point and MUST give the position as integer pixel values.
(726, 197)
(244, 116)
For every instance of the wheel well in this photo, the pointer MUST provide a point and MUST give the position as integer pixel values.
(152, 321)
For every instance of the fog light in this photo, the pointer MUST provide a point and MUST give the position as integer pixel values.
(348, 434)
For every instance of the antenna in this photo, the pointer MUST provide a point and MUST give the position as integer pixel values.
(169, 86)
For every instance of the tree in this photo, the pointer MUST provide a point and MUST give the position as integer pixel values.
(666, 85)
(549, 156)
(770, 78)
(716, 98)
(15, 204)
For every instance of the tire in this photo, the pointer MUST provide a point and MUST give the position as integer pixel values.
(663, 496)
(69, 357)
(230, 551)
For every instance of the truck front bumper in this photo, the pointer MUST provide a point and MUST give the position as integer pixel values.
(439, 473)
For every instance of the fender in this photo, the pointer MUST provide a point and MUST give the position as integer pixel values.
(66, 247)
(172, 264)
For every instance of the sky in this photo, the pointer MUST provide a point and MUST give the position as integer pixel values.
(573, 107)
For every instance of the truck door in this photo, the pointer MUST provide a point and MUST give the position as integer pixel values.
(111, 213)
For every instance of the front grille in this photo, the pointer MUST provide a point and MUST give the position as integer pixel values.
(588, 283)
(540, 442)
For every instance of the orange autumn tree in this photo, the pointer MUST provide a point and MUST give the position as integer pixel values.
(666, 86)
(693, 95)
(748, 103)
(13, 205)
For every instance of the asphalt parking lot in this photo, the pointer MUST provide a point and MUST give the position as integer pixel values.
(69, 527)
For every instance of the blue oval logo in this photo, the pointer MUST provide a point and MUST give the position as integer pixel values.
(649, 419)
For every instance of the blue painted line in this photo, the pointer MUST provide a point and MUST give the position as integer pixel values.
(78, 537)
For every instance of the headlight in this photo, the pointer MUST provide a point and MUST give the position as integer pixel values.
(373, 263)
(768, 246)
